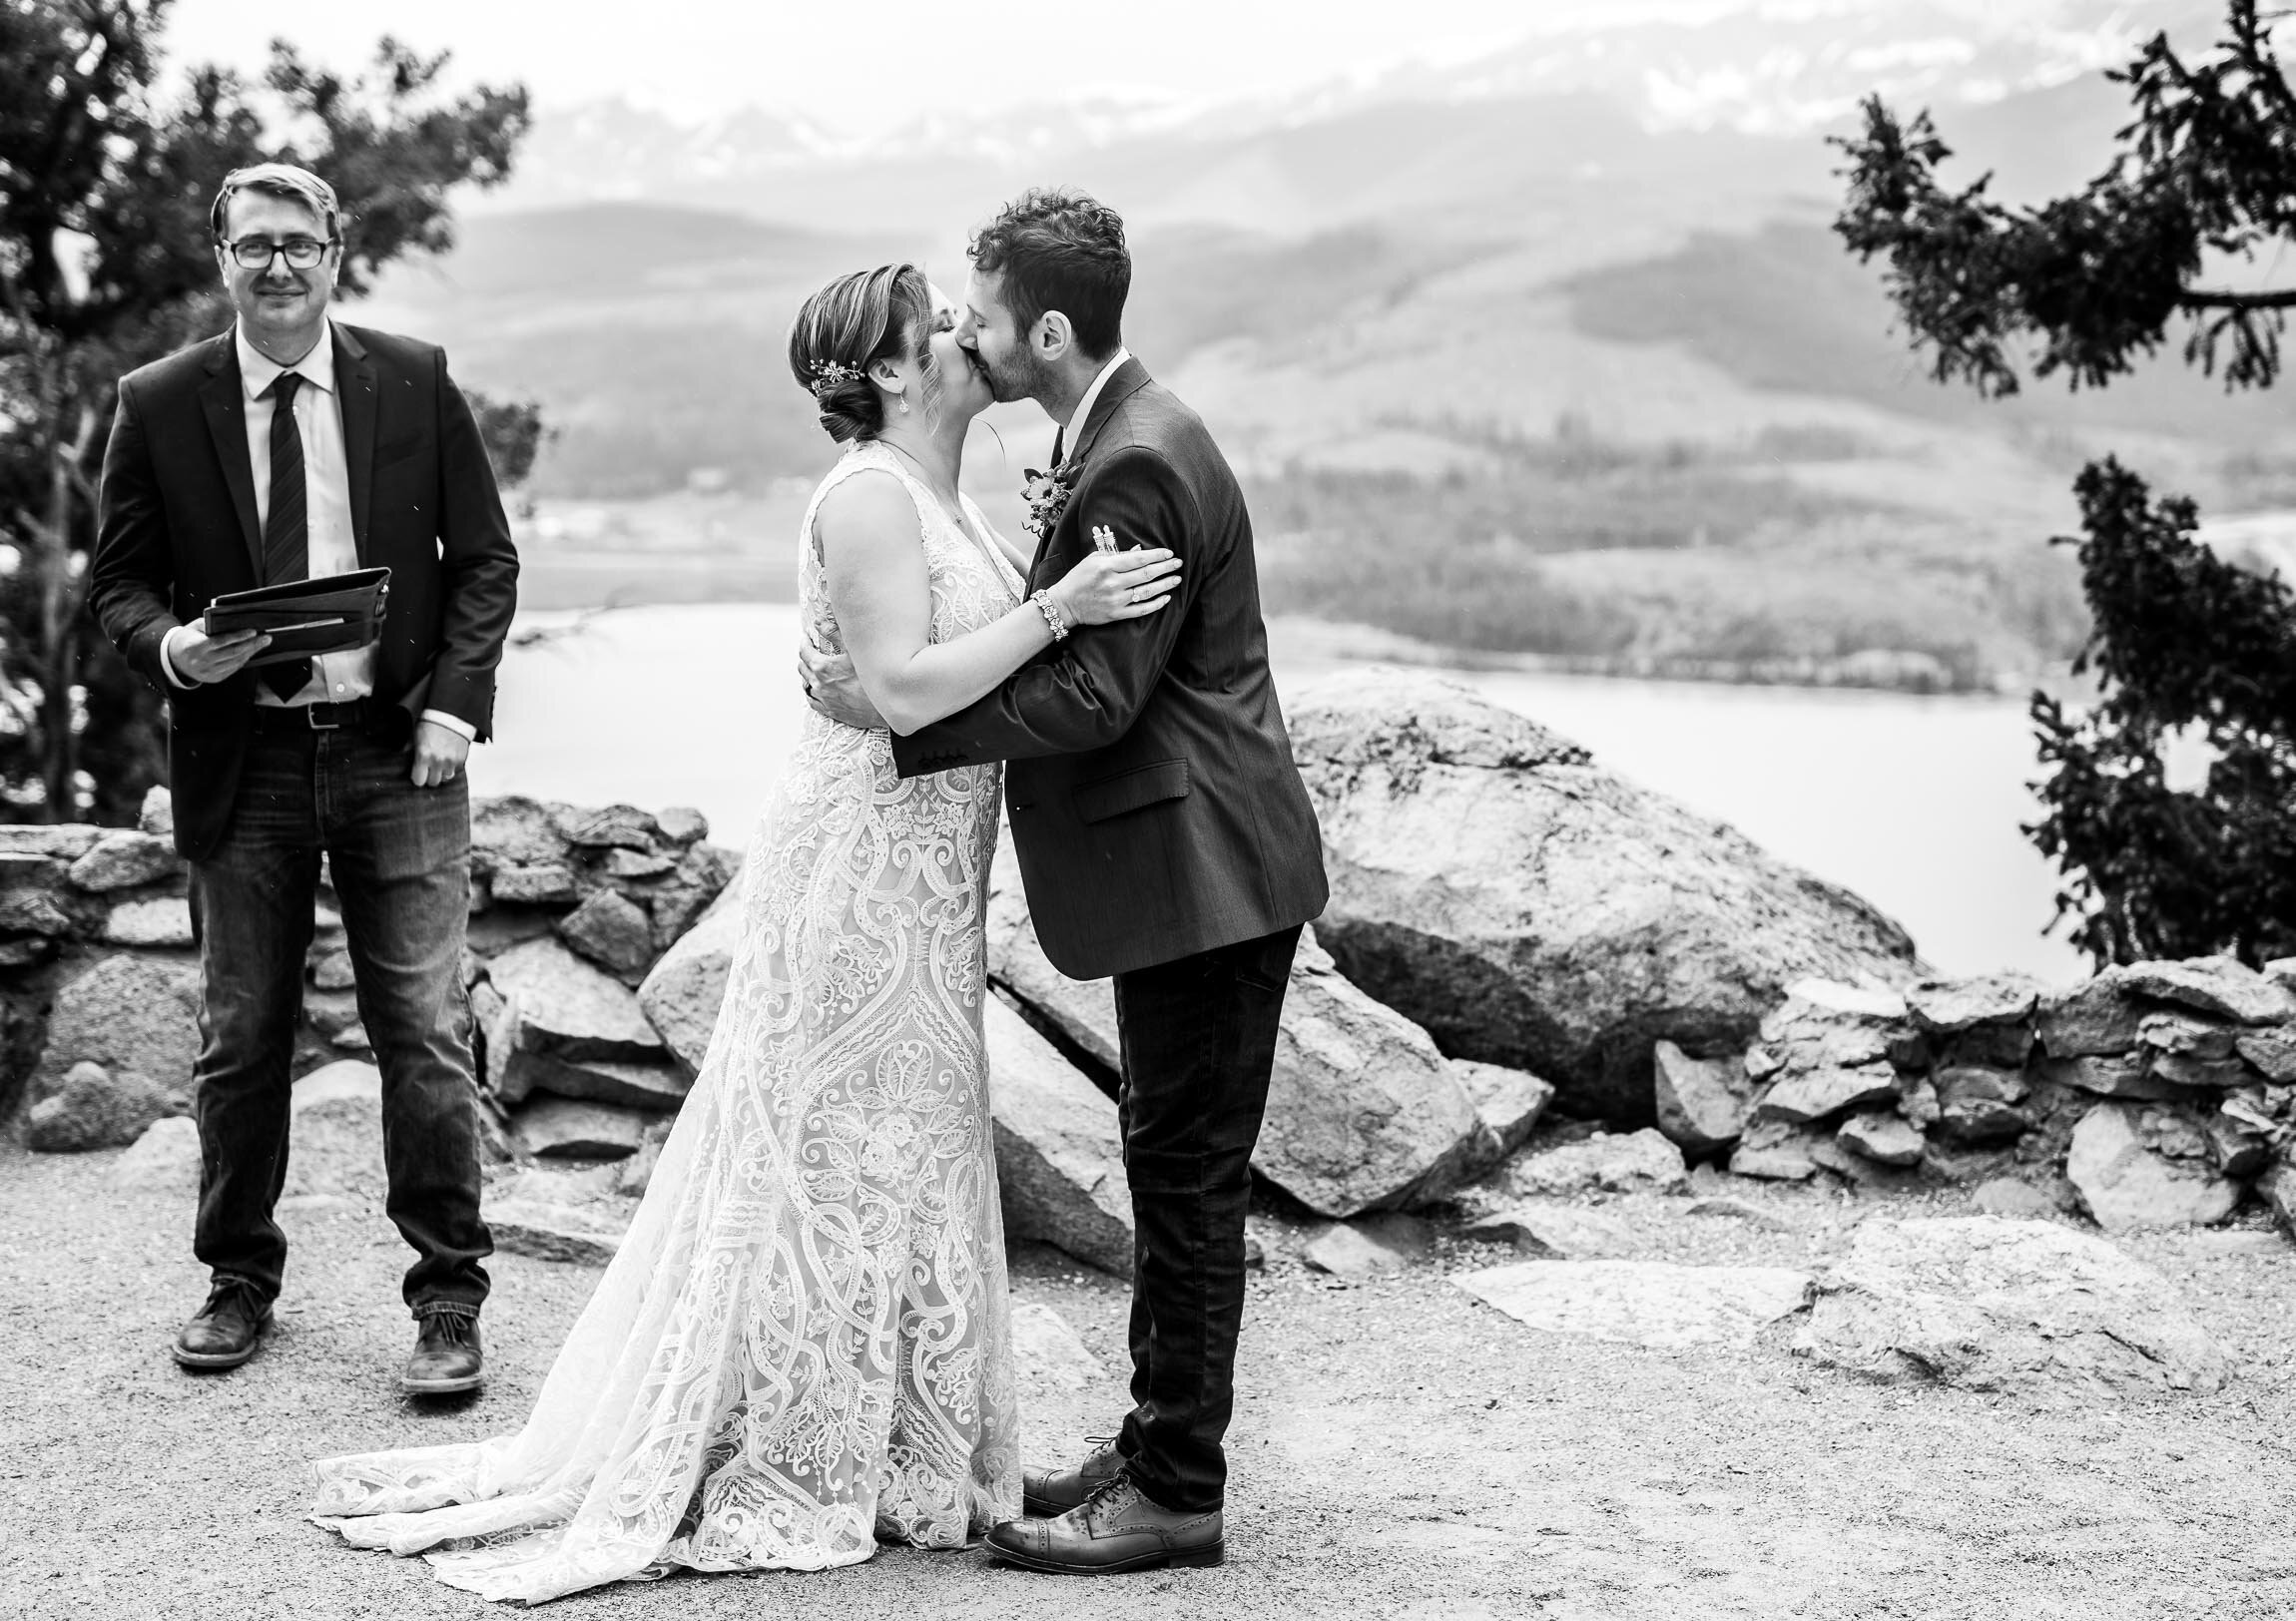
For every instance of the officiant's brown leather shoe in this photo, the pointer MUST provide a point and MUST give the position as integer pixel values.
(1114, 1530)
(1046, 1492)
(222, 1334)
(446, 1359)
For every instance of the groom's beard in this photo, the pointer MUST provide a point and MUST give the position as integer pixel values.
(1022, 376)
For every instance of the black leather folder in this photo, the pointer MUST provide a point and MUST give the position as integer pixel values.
(306, 618)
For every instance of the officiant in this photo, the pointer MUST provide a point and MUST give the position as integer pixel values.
(298, 448)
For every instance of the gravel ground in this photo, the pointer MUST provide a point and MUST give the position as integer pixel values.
(1400, 1451)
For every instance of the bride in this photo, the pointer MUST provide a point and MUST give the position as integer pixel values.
(802, 1347)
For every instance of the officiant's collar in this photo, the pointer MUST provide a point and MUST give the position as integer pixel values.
(1083, 416)
(258, 371)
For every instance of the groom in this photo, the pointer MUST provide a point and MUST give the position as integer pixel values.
(1164, 838)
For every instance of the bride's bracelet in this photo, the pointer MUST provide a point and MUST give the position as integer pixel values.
(1054, 620)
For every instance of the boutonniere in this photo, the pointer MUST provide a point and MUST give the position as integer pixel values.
(1047, 497)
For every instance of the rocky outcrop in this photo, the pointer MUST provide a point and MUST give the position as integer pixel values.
(1060, 1160)
(1495, 885)
(1990, 1305)
(1363, 1112)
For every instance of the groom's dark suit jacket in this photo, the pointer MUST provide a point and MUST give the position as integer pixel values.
(1155, 808)
(178, 528)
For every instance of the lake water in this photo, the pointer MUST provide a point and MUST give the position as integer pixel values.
(1914, 802)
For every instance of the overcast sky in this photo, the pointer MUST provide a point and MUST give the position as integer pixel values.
(846, 65)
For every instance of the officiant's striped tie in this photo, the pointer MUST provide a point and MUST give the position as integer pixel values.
(286, 525)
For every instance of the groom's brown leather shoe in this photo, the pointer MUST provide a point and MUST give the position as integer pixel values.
(1114, 1530)
(222, 1334)
(1046, 1492)
(446, 1359)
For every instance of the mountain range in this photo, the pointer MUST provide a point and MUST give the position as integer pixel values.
(1550, 350)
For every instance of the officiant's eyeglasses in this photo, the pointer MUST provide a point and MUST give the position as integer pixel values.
(300, 253)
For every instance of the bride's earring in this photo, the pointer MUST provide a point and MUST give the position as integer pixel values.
(903, 399)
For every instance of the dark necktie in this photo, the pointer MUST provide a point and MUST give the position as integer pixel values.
(286, 526)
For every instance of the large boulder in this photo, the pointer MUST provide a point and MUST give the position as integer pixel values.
(133, 1015)
(1989, 1304)
(2148, 1168)
(1082, 1010)
(1529, 909)
(1060, 1160)
(1363, 1112)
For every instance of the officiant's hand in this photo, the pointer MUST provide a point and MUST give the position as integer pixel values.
(439, 752)
(834, 690)
(201, 658)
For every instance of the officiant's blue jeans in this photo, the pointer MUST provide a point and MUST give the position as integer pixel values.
(1198, 1043)
(400, 860)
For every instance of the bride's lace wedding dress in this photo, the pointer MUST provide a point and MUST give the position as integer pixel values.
(803, 1345)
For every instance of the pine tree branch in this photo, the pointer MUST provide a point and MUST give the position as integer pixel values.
(2215, 298)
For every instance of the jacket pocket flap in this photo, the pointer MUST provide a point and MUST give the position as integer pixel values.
(1129, 790)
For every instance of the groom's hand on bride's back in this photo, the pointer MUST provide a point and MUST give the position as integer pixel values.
(834, 690)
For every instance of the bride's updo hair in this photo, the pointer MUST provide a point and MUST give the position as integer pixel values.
(856, 319)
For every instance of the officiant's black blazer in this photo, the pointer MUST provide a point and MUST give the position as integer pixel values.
(176, 528)
(1155, 808)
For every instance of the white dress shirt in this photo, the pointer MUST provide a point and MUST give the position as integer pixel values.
(1075, 424)
(333, 548)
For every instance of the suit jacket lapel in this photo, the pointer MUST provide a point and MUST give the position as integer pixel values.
(355, 384)
(1128, 379)
(220, 399)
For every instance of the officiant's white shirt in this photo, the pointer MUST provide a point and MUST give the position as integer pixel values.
(1075, 424)
(332, 547)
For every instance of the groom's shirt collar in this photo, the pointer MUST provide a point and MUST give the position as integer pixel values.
(1075, 428)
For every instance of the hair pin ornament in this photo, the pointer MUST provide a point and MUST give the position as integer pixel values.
(830, 376)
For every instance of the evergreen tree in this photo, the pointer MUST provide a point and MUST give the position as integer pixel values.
(2182, 643)
(106, 263)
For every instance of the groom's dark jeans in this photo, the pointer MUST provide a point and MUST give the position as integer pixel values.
(399, 859)
(1199, 1040)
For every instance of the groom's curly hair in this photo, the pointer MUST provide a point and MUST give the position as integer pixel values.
(1060, 249)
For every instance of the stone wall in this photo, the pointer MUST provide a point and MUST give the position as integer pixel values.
(2157, 1094)
(572, 910)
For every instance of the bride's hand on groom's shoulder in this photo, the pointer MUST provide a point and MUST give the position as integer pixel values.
(833, 689)
(1106, 586)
